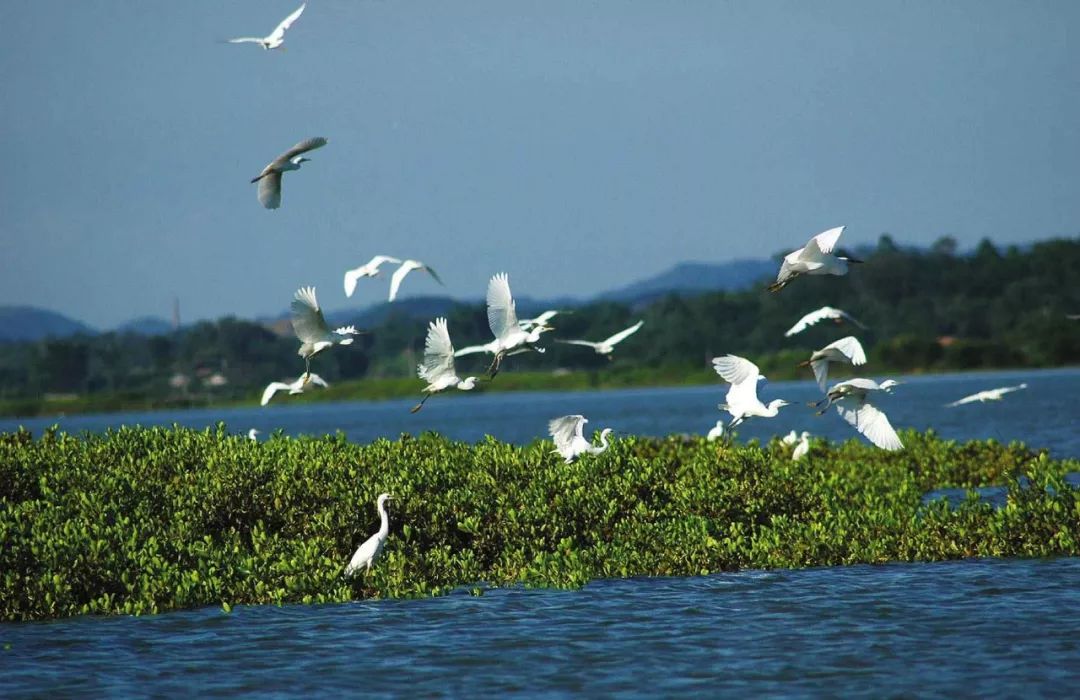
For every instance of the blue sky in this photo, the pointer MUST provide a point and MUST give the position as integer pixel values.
(577, 145)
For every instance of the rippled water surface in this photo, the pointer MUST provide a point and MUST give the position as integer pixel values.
(968, 628)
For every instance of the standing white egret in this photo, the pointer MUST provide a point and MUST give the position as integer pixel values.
(367, 553)
(815, 258)
(850, 400)
(716, 432)
(277, 37)
(988, 395)
(369, 269)
(742, 399)
(310, 327)
(295, 387)
(253, 434)
(825, 312)
(510, 337)
(847, 349)
(407, 267)
(437, 369)
(790, 439)
(605, 347)
(567, 434)
(270, 178)
(802, 448)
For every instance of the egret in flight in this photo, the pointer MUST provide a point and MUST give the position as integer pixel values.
(802, 448)
(848, 350)
(277, 37)
(541, 320)
(850, 399)
(606, 347)
(567, 433)
(510, 337)
(988, 395)
(367, 553)
(825, 312)
(369, 269)
(270, 178)
(742, 400)
(815, 258)
(310, 327)
(437, 369)
(407, 267)
(296, 387)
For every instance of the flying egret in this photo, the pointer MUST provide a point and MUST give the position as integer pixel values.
(270, 178)
(369, 269)
(407, 267)
(367, 553)
(277, 37)
(850, 400)
(510, 338)
(825, 312)
(605, 347)
(815, 258)
(802, 448)
(847, 349)
(742, 401)
(716, 432)
(295, 387)
(310, 327)
(541, 320)
(567, 433)
(437, 369)
(988, 395)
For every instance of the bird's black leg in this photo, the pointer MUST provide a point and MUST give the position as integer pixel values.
(420, 405)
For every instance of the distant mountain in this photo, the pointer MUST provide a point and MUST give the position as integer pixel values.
(29, 323)
(145, 325)
(693, 277)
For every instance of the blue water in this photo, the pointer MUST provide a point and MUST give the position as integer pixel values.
(1044, 415)
(1001, 628)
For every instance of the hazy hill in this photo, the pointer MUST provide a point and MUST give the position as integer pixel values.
(29, 323)
(695, 277)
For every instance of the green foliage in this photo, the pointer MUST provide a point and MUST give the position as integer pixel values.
(146, 520)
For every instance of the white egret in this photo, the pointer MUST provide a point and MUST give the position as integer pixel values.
(310, 327)
(802, 448)
(541, 320)
(850, 400)
(407, 267)
(510, 338)
(825, 312)
(253, 434)
(369, 269)
(567, 433)
(277, 37)
(790, 439)
(742, 401)
(716, 432)
(295, 387)
(270, 178)
(815, 258)
(605, 347)
(847, 349)
(988, 395)
(367, 553)
(437, 369)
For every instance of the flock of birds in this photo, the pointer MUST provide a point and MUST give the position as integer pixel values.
(854, 399)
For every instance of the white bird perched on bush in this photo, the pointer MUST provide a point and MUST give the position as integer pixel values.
(790, 439)
(716, 432)
(802, 448)
(295, 387)
(407, 267)
(310, 327)
(850, 399)
(567, 433)
(277, 37)
(815, 258)
(606, 347)
(510, 337)
(825, 312)
(270, 178)
(367, 553)
(368, 269)
(742, 401)
(253, 433)
(437, 369)
(988, 395)
(847, 349)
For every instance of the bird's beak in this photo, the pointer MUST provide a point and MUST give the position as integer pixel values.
(855, 260)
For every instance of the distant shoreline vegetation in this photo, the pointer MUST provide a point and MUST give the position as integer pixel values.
(145, 520)
(926, 310)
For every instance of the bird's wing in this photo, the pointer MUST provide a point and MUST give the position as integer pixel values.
(736, 370)
(433, 275)
(849, 317)
(624, 334)
(851, 348)
(860, 383)
(279, 32)
(363, 554)
(302, 147)
(351, 276)
(502, 317)
(307, 318)
(438, 351)
(545, 317)
(317, 380)
(826, 240)
(471, 350)
(246, 40)
(564, 430)
(821, 372)
(869, 421)
(346, 330)
(586, 343)
(810, 319)
(271, 389)
(966, 399)
(270, 190)
(742, 394)
(786, 272)
(380, 259)
(1007, 389)
(399, 274)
